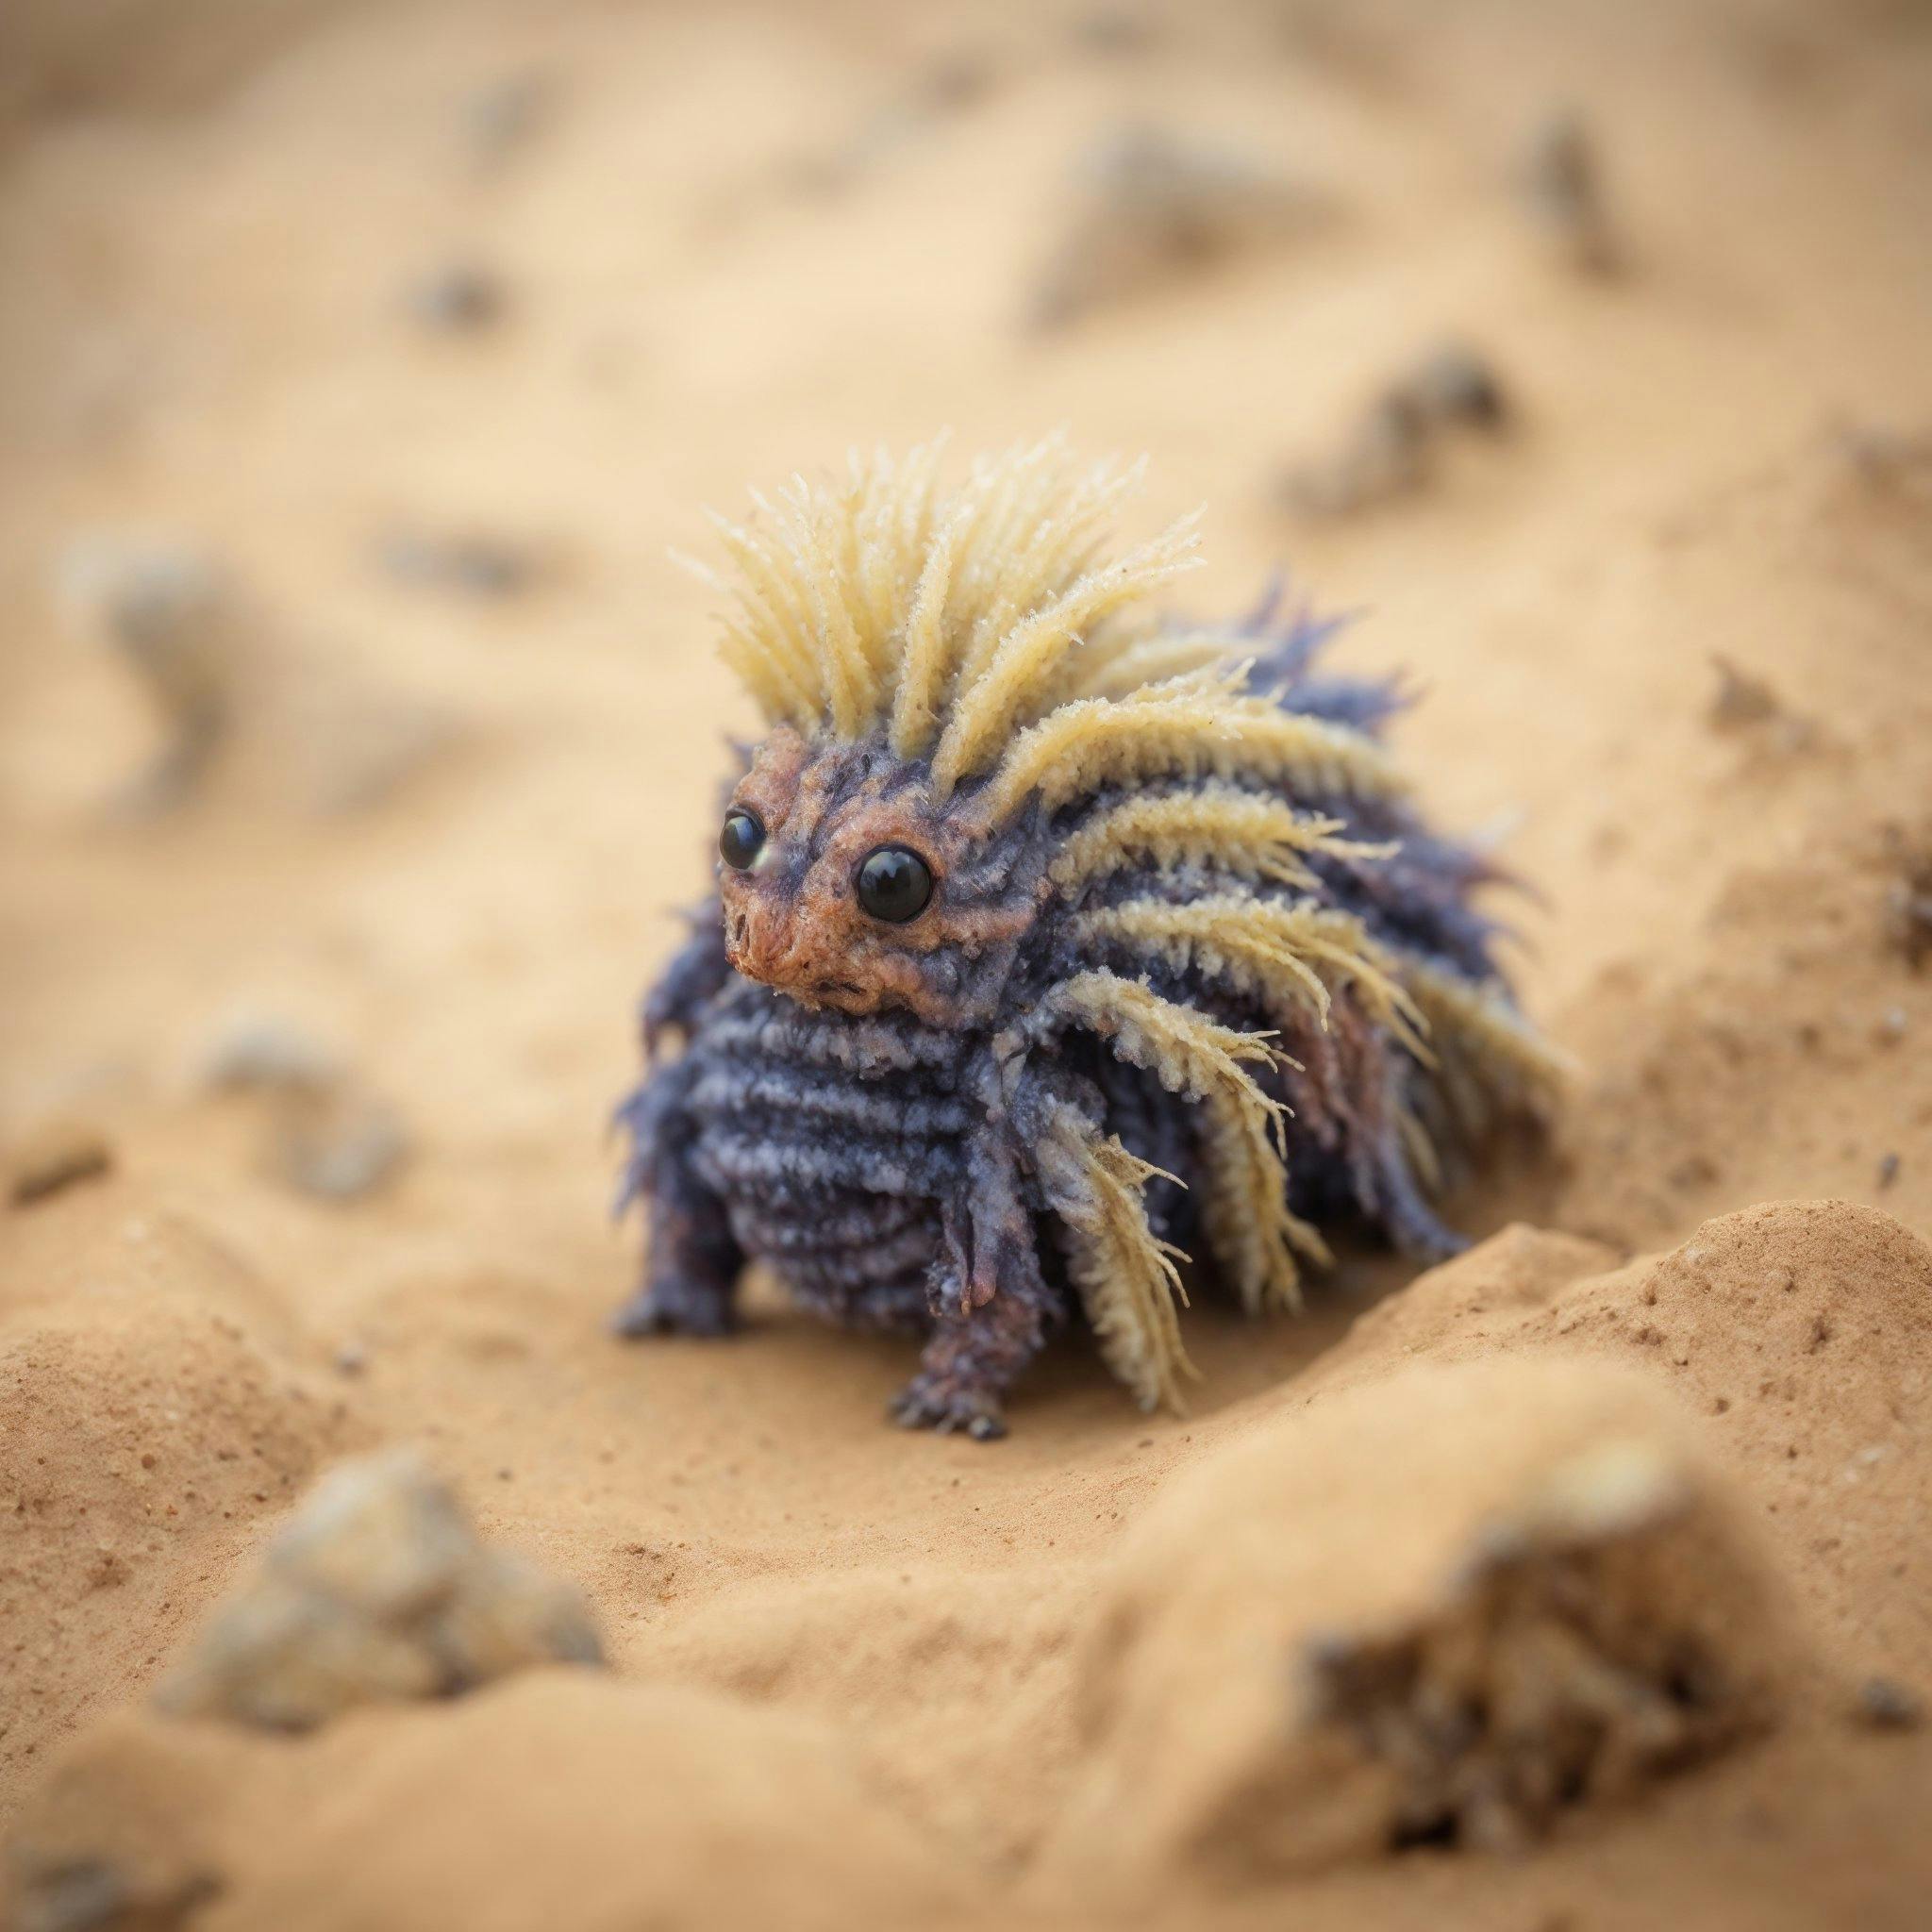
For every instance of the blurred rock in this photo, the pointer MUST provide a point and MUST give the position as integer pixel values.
(1908, 910)
(1508, 1589)
(1562, 189)
(338, 1145)
(1456, 384)
(1150, 206)
(1389, 450)
(328, 1135)
(378, 1590)
(456, 297)
(469, 564)
(166, 608)
(260, 1053)
(1887, 1705)
(56, 1153)
(500, 118)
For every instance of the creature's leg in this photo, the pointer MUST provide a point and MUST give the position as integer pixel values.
(989, 1301)
(970, 1362)
(692, 1262)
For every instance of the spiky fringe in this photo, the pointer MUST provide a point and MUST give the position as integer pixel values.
(947, 619)
(1244, 1189)
(1247, 833)
(1184, 731)
(1285, 955)
(983, 628)
(1125, 1276)
(1488, 1058)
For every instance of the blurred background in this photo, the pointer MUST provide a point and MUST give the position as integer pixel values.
(361, 364)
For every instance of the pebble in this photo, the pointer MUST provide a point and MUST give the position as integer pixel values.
(1888, 1706)
(1562, 188)
(457, 298)
(53, 1156)
(378, 1590)
(164, 607)
(1150, 203)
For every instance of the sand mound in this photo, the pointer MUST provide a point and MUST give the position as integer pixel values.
(1437, 1610)
(552, 1798)
(148, 1431)
(1799, 1331)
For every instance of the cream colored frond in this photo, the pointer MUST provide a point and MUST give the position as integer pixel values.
(1125, 1274)
(1244, 1182)
(1023, 663)
(1488, 1052)
(1252, 834)
(1285, 954)
(952, 617)
(1192, 733)
(1111, 668)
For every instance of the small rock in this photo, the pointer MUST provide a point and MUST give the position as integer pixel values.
(1150, 205)
(260, 1053)
(1886, 459)
(1745, 703)
(1909, 912)
(338, 1146)
(1389, 451)
(1458, 384)
(329, 1135)
(1887, 1705)
(473, 564)
(165, 608)
(1562, 187)
(376, 1589)
(500, 118)
(1740, 699)
(56, 1154)
(457, 297)
(1888, 1171)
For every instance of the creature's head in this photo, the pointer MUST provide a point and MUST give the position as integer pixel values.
(845, 884)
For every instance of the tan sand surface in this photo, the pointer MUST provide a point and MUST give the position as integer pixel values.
(864, 1677)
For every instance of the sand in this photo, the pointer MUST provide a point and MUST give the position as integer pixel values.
(316, 290)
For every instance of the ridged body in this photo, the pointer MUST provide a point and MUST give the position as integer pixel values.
(1052, 946)
(839, 1149)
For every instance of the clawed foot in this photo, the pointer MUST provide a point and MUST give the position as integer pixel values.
(674, 1305)
(931, 1402)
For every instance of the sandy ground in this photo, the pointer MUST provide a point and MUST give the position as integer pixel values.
(866, 1676)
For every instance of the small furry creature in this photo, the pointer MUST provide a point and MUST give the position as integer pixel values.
(1052, 944)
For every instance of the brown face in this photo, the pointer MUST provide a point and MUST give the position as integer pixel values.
(843, 886)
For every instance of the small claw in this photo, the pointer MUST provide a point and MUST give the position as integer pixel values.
(670, 1308)
(946, 1414)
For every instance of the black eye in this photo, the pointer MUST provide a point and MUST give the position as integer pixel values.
(741, 839)
(894, 885)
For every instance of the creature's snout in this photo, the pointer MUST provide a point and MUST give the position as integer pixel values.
(761, 941)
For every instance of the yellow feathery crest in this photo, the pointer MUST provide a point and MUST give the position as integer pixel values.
(1024, 661)
(1125, 1276)
(1114, 667)
(1253, 834)
(1188, 733)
